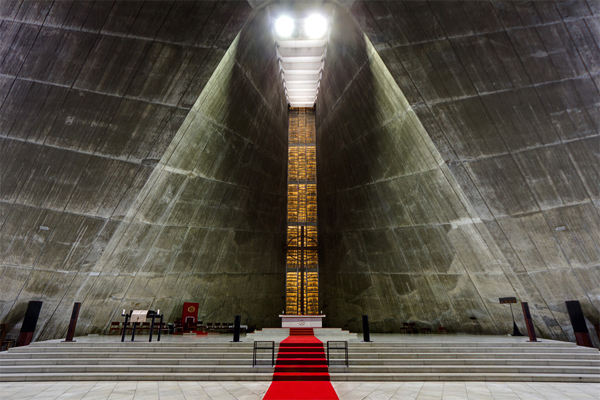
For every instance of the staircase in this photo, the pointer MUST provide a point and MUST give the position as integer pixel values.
(116, 361)
(301, 357)
(436, 359)
(500, 361)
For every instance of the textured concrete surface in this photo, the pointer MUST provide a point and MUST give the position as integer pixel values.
(92, 96)
(209, 225)
(400, 240)
(459, 162)
(509, 97)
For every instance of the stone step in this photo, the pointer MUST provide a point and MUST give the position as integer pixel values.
(473, 377)
(368, 370)
(353, 348)
(248, 355)
(545, 343)
(40, 377)
(396, 369)
(478, 349)
(303, 361)
(291, 361)
(249, 344)
(16, 355)
(474, 361)
(415, 377)
(65, 369)
(401, 356)
(130, 349)
(283, 349)
(307, 376)
(302, 354)
(141, 343)
(300, 368)
(124, 361)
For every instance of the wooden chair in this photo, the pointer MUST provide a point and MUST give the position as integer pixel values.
(3, 340)
(158, 327)
(190, 324)
(144, 328)
(177, 327)
(425, 330)
(115, 326)
(209, 327)
(405, 328)
(442, 330)
(164, 328)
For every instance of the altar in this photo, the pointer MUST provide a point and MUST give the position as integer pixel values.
(301, 321)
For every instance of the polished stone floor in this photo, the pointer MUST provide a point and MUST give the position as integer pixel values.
(256, 390)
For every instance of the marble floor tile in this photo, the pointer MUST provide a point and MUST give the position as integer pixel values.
(190, 390)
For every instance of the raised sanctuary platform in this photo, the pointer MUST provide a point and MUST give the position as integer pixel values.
(389, 357)
(323, 334)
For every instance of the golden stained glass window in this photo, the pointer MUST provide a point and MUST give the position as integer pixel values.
(302, 268)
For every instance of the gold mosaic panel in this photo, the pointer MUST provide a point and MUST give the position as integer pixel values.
(301, 258)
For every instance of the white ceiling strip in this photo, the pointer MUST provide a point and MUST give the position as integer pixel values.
(301, 62)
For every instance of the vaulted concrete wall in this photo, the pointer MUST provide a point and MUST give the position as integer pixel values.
(209, 225)
(509, 97)
(91, 96)
(400, 241)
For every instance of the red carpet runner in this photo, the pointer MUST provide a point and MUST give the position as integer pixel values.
(301, 369)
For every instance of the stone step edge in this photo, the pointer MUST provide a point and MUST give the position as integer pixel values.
(429, 350)
(354, 344)
(12, 369)
(242, 362)
(498, 377)
(371, 355)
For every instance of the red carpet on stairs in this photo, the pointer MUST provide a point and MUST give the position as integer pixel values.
(301, 369)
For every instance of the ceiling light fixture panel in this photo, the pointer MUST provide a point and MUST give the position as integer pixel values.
(301, 37)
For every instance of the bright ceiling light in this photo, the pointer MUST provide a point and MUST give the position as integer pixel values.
(315, 26)
(284, 26)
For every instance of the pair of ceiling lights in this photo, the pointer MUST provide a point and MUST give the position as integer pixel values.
(315, 26)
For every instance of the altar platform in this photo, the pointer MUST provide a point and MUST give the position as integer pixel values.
(323, 334)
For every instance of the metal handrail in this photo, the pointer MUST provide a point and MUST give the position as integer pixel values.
(264, 345)
(337, 345)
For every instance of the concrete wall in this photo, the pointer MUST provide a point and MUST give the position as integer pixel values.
(509, 97)
(209, 225)
(91, 96)
(400, 241)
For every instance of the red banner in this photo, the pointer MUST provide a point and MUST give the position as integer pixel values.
(190, 310)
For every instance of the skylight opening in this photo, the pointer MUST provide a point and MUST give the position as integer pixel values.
(301, 35)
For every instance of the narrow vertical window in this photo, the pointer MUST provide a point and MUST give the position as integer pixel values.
(302, 268)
